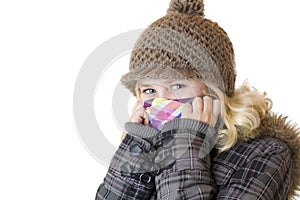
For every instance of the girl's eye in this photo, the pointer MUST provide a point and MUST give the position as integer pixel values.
(177, 86)
(149, 91)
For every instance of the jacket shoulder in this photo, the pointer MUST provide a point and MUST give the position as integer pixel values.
(277, 126)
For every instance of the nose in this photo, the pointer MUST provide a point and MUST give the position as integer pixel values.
(166, 93)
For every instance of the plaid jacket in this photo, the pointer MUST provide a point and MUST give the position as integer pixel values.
(178, 162)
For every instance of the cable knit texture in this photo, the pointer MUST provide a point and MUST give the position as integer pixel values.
(183, 44)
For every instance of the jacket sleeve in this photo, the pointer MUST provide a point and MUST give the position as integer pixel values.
(128, 176)
(266, 174)
(188, 143)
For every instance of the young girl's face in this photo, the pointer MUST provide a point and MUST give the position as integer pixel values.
(171, 88)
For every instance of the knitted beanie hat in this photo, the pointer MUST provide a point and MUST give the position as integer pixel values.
(183, 44)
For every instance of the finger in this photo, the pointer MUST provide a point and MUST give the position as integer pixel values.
(186, 110)
(216, 111)
(197, 105)
(207, 105)
(145, 119)
(135, 118)
(216, 107)
(207, 109)
(138, 115)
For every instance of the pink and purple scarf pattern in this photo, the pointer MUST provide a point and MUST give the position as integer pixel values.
(162, 110)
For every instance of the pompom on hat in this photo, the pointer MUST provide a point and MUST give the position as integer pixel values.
(183, 44)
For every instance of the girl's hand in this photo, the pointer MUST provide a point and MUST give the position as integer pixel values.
(139, 115)
(204, 109)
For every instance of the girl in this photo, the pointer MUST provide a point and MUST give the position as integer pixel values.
(192, 134)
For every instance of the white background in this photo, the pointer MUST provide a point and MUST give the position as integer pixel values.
(43, 45)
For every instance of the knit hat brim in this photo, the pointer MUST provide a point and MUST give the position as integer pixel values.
(158, 72)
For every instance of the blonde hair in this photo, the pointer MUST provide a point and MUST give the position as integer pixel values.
(241, 114)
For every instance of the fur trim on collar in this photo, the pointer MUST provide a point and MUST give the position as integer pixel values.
(278, 126)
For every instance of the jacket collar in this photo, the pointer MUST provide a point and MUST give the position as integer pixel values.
(277, 126)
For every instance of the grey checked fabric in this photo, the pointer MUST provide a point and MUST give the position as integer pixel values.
(257, 169)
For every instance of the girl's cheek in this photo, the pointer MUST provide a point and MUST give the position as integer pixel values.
(184, 94)
(145, 97)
